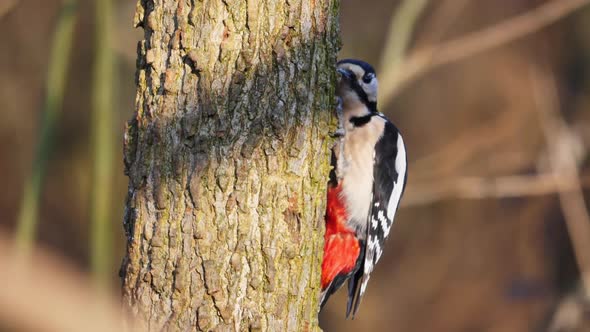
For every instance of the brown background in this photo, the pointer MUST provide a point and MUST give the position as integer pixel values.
(451, 264)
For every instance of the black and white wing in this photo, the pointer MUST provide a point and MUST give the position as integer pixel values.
(390, 176)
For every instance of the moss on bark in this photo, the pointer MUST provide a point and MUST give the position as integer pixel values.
(227, 157)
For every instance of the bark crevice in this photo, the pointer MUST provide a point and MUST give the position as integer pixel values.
(228, 158)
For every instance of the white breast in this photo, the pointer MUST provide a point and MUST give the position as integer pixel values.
(357, 181)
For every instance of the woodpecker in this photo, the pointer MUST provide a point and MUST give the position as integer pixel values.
(367, 182)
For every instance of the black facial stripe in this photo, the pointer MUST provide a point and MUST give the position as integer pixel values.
(359, 91)
(371, 105)
(359, 121)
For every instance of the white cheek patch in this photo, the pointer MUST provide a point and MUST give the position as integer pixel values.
(371, 90)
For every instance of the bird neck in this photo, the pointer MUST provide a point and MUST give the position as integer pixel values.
(361, 120)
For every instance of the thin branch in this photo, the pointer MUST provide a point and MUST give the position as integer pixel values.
(399, 34)
(103, 145)
(55, 86)
(427, 59)
(7, 6)
(496, 187)
(470, 142)
(445, 16)
(564, 168)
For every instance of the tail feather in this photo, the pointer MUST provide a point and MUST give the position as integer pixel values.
(355, 293)
(323, 298)
(359, 296)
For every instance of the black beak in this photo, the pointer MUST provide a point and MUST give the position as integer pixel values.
(346, 74)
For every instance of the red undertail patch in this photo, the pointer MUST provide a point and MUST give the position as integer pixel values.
(341, 247)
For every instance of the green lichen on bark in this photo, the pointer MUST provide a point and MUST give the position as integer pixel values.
(228, 157)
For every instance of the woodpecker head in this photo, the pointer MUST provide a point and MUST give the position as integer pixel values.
(357, 85)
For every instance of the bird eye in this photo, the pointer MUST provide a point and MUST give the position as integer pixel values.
(368, 78)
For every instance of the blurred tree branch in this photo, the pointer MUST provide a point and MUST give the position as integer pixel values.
(443, 18)
(102, 141)
(563, 165)
(55, 85)
(399, 34)
(493, 187)
(469, 142)
(6, 6)
(571, 313)
(424, 60)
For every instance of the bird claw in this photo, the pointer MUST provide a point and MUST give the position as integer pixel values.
(340, 131)
(338, 106)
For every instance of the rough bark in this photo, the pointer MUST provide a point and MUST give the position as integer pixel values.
(227, 157)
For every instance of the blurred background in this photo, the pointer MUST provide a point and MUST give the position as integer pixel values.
(493, 99)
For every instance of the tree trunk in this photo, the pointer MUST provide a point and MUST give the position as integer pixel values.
(228, 158)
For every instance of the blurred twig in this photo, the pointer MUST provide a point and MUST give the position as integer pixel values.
(426, 59)
(399, 34)
(468, 143)
(495, 187)
(102, 140)
(571, 313)
(444, 17)
(6, 6)
(55, 85)
(564, 168)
